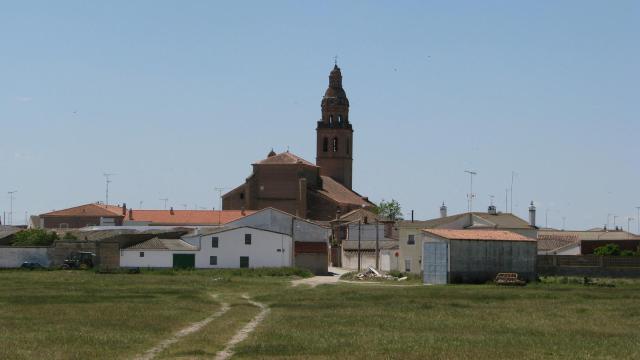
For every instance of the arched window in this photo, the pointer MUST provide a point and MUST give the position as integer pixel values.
(330, 120)
(335, 144)
(325, 145)
(340, 120)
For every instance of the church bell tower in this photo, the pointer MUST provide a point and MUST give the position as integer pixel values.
(334, 133)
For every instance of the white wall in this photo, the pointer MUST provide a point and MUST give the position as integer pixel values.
(274, 220)
(151, 259)
(388, 260)
(263, 251)
(13, 257)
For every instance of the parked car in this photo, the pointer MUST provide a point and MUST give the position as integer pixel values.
(31, 265)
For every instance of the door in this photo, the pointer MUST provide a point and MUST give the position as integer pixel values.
(244, 261)
(435, 262)
(184, 261)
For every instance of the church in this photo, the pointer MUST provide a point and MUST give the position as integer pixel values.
(320, 191)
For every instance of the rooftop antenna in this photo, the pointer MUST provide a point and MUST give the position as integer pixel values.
(141, 202)
(609, 215)
(184, 206)
(629, 220)
(220, 190)
(165, 202)
(513, 174)
(107, 177)
(11, 197)
(471, 194)
(335, 60)
(491, 197)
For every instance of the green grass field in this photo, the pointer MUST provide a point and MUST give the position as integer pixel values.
(82, 315)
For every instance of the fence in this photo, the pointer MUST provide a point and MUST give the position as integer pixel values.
(589, 265)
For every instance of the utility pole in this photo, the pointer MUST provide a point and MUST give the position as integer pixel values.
(107, 177)
(506, 200)
(629, 220)
(614, 221)
(377, 246)
(359, 235)
(11, 197)
(471, 195)
(165, 202)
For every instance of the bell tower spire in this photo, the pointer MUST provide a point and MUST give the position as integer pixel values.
(334, 132)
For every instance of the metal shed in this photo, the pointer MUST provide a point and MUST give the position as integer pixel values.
(475, 256)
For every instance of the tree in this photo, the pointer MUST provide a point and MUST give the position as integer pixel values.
(607, 250)
(34, 237)
(389, 209)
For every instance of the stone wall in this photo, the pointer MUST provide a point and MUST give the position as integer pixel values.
(588, 265)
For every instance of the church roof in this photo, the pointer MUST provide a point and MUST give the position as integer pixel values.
(340, 193)
(284, 158)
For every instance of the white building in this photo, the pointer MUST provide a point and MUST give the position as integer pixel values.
(236, 247)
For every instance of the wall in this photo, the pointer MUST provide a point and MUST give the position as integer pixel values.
(151, 259)
(588, 246)
(588, 265)
(13, 257)
(262, 252)
(387, 260)
(474, 261)
(74, 222)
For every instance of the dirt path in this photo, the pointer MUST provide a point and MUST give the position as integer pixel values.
(243, 333)
(154, 351)
(333, 278)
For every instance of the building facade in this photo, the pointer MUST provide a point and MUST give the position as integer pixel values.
(292, 184)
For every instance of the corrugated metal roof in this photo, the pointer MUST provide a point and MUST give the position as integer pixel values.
(163, 244)
(491, 235)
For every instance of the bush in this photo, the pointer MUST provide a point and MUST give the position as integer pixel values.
(627, 253)
(607, 250)
(69, 236)
(34, 237)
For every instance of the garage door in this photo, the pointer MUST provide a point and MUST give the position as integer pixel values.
(184, 261)
(435, 262)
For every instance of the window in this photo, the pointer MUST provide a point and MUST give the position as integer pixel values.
(247, 239)
(214, 242)
(411, 240)
(407, 265)
(335, 144)
(241, 195)
(213, 260)
(325, 145)
(244, 261)
(141, 253)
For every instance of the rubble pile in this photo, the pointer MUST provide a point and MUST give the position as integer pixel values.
(372, 273)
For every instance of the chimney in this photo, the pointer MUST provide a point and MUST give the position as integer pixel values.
(130, 214)
(124, 208)
(532, 215)
(443, 210)
(171, 211)
(492, 210)
(411, 215)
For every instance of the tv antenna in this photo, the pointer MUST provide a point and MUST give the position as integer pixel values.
(165, 202)
(220, 190)
(107, 178)
(471, 195)
(11, 197)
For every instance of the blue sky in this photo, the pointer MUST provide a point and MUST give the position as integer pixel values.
(178, 98)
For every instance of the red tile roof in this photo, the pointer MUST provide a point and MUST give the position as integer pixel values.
(93, 210)
(340, 193)
(284, 158)
(186, 217)
(497, 235)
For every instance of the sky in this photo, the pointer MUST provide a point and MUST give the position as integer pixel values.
(178, 98)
